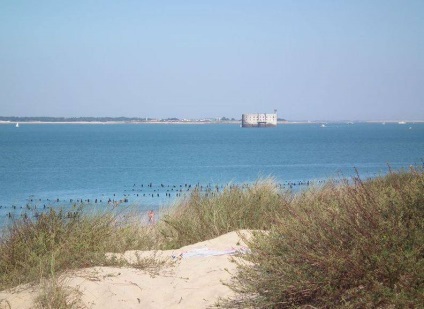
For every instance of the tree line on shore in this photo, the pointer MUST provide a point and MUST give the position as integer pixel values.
(112, 119)
(102, 119)
(75, 119)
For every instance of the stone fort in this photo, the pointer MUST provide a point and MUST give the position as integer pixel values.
(259, 120)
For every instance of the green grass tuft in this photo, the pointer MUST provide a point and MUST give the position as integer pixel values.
(33, 249)
(201, 217)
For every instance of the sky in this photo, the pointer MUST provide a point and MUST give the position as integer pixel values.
(310, 60)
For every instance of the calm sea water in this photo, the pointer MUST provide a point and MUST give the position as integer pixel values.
(42, 163)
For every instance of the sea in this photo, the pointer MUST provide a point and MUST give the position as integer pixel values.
(152, 166)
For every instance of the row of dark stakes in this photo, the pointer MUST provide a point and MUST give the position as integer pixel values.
(171, 190)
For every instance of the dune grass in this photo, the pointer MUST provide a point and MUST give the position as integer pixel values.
(33, 249)
(201, 217)
(355, 245)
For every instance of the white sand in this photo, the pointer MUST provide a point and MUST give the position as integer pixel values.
(193, 281)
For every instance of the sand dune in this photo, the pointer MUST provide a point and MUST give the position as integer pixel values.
(193, 279)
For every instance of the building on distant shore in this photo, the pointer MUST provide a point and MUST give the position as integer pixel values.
(259, 120)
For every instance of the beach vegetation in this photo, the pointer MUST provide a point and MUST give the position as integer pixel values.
(200, 217)
(351, 245)
(55, 294)
(345, 244)
(35, 248)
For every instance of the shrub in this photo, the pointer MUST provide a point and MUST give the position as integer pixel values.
(354, 245)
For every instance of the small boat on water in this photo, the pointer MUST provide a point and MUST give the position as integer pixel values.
(401, 122)
(17, 124)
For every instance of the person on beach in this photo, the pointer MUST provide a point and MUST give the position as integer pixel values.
(151, 215)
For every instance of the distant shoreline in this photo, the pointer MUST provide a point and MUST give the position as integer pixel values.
(117, 122)
(202, 122)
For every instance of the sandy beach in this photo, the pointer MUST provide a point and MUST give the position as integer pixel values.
(193, 278)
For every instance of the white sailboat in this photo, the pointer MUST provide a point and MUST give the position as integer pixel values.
(17, 124)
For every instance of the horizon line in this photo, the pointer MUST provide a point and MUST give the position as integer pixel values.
(176, 119)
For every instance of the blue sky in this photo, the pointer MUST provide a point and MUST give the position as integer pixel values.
(311, 60)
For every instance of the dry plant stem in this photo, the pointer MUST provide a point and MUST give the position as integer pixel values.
(56, 295)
